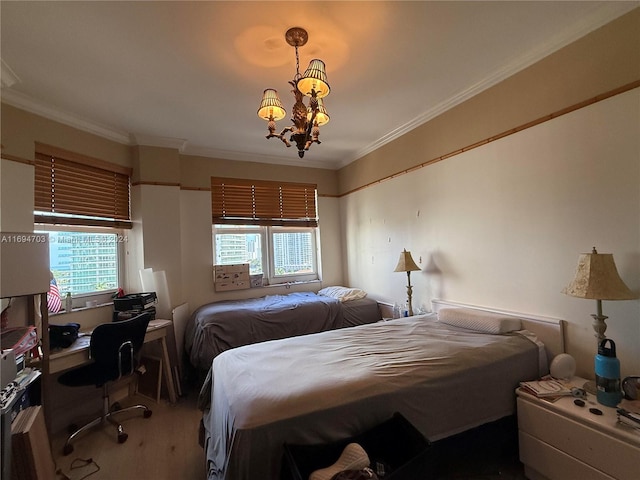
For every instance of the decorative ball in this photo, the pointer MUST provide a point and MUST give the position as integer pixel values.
(563, 366)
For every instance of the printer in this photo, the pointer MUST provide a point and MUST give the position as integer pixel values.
(128, 306)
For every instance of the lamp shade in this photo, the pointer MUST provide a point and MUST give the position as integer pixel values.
(271, 106)
(322, 117)
(597, 278)
(406, 263)
(314, 78)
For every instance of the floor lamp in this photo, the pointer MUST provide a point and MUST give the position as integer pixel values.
(406, 264)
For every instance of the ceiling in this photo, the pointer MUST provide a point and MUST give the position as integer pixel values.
(190, 75)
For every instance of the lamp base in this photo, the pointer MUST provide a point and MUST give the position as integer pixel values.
(590, 387)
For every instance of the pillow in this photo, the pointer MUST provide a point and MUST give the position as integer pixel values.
(343, 294)
(485, 322)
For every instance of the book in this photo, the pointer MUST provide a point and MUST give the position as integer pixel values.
(546, 388)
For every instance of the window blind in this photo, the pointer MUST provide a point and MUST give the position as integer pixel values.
(73, 192)
(238, 201)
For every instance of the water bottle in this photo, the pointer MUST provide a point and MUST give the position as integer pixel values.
(396, 310)
(608, 374)
(68, 305)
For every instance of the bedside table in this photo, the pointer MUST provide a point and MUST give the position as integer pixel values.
(563, 441)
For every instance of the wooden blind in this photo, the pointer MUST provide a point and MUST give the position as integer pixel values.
(238, 201)
(95, 196)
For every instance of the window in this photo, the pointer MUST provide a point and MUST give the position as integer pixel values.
(83, 204)
(84, 261)
(280, 254)
(269, 225)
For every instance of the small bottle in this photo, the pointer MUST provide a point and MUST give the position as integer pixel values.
(68, 306)
(396, 310)
(405, 312)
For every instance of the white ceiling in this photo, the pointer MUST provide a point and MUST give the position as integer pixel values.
(191, 74)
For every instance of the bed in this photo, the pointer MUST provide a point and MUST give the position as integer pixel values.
(332, 385)
(219, 326)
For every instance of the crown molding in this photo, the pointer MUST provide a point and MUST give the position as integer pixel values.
(7, 76)
(29, 104)
(293, 161)
(599, 17)
(162, 142)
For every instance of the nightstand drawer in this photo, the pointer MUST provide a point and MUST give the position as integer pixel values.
(552, 463)
(586, 444)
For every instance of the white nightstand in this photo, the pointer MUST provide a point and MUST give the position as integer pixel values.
(563, 441)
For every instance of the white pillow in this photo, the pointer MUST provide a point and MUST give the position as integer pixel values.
(485, 322)
(343, 294)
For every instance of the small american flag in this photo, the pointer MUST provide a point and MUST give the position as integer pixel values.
(54, 303)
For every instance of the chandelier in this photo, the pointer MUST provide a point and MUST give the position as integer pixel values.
(306, 120)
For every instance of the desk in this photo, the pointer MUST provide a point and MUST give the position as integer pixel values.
(78, 354)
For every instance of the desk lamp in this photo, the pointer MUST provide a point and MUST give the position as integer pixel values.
(406, 264)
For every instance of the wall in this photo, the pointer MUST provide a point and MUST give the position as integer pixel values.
(498, 197)
(503, 225)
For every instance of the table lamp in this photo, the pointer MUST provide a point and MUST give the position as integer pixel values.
(597, 279)
(406, 264)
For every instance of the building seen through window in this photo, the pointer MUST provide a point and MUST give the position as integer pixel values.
(84, 262)
(280, 254)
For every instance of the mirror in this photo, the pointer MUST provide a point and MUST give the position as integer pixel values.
(631, 387)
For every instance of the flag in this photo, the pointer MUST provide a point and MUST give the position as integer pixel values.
(54, 303)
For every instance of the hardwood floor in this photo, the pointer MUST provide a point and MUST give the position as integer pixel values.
(164, 446)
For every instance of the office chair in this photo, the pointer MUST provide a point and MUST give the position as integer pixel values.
(115, 349)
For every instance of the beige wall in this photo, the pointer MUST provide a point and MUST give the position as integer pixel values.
(503, 223)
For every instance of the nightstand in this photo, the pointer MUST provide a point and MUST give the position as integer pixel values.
(560, 440)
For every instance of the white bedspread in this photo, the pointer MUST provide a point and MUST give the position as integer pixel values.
(332, 385)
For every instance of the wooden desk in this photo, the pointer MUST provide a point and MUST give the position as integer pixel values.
(78, 353)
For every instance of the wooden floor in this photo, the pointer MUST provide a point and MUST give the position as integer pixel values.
(164, 446)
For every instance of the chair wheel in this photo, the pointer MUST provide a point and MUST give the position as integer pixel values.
(147, 413)
(68, 448)
(122, 437)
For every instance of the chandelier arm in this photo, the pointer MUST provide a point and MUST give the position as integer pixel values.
(282, 136)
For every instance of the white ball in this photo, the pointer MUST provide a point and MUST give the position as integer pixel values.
(563, 366)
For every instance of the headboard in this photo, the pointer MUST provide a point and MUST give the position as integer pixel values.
(550, 331)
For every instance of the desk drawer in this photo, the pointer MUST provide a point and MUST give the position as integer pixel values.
(579, 440)
(554, 464)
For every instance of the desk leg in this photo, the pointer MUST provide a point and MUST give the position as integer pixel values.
(168, 375)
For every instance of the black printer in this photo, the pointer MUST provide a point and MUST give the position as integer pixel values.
(128, 306)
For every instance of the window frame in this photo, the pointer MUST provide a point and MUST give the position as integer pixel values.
(99, 296)
(266, 233)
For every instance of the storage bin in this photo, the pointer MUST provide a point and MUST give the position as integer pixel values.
(398, 445)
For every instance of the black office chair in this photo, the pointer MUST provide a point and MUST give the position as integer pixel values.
(115, 349)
